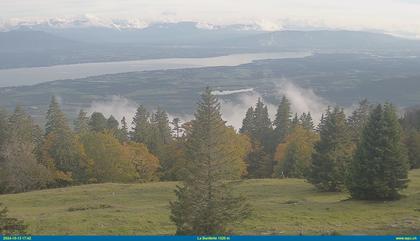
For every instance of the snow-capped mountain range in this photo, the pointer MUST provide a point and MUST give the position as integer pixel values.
(89, 21)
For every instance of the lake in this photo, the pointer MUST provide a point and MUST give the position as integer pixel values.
(30, 76)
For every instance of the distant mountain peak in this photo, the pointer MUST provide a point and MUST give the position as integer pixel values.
(89, 21)
(83, 21)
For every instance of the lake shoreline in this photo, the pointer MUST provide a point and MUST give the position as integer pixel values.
(35, 75)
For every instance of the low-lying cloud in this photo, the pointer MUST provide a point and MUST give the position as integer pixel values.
(233, 109)
(302, 101)
(116, 106)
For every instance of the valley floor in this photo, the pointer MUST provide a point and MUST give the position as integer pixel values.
(281, 207)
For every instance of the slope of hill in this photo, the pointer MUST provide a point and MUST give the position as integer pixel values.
(328, 40)
(281, 206)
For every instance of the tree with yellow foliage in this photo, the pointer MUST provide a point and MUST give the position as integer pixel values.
(111, 161)
(146, 164)
(295, 154)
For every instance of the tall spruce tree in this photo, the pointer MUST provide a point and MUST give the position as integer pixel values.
(306, 121)
(62, 152)
(263, 126)
(123, 132)
(205, 204)
(282, 121)
(379, 169)
(160, 134)
(248, 124)
(141, 126)
(358, 120)
(98, 122)
(161, 122)
(56, 120)
(81, 124)
(333, 152)
(177, 129)
(295, 121)
(112, 124)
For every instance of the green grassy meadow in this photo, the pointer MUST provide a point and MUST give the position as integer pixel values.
(281, 207)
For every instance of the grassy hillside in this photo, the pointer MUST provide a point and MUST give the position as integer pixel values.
(285, 206)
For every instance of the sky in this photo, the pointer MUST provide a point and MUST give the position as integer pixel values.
(393, 16)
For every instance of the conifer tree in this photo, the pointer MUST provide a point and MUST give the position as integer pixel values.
(295, 121)
(263, 126)
(62, 153)
(161, 122)
(177, 129)
(248, 124)
(283, 121)
(112, 124)
(306, 121)
(260, 163)
(81, 124)
(98, 122)
(379, 169)
(333, 152)
(141, 126)
(205, 204)
(358, 119)
(56, 120)
(123, 132)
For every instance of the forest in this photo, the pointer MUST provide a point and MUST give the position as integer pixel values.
(366, 154)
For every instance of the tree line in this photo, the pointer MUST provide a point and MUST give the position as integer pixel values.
(367, 154)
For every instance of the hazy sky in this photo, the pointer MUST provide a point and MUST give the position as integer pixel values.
(398, 16)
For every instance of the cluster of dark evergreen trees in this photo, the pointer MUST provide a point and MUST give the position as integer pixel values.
(367, 154)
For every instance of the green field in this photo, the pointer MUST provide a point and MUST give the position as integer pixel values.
(281, 206)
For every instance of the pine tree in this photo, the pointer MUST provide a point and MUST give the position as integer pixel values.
(205, 204)
(295, 121)
(62, 152)
(379, 169)
(177, 129)
(161, 122)
(98, 122)
(263, 127)
(358, 119)
(81, 124)
(248, 124)
(56, 120)
(141, 126)
(332, 153)
(112, 124)
(306, 121)
(283, 121)
(123, 132)
(259, 162)
(20, 126)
